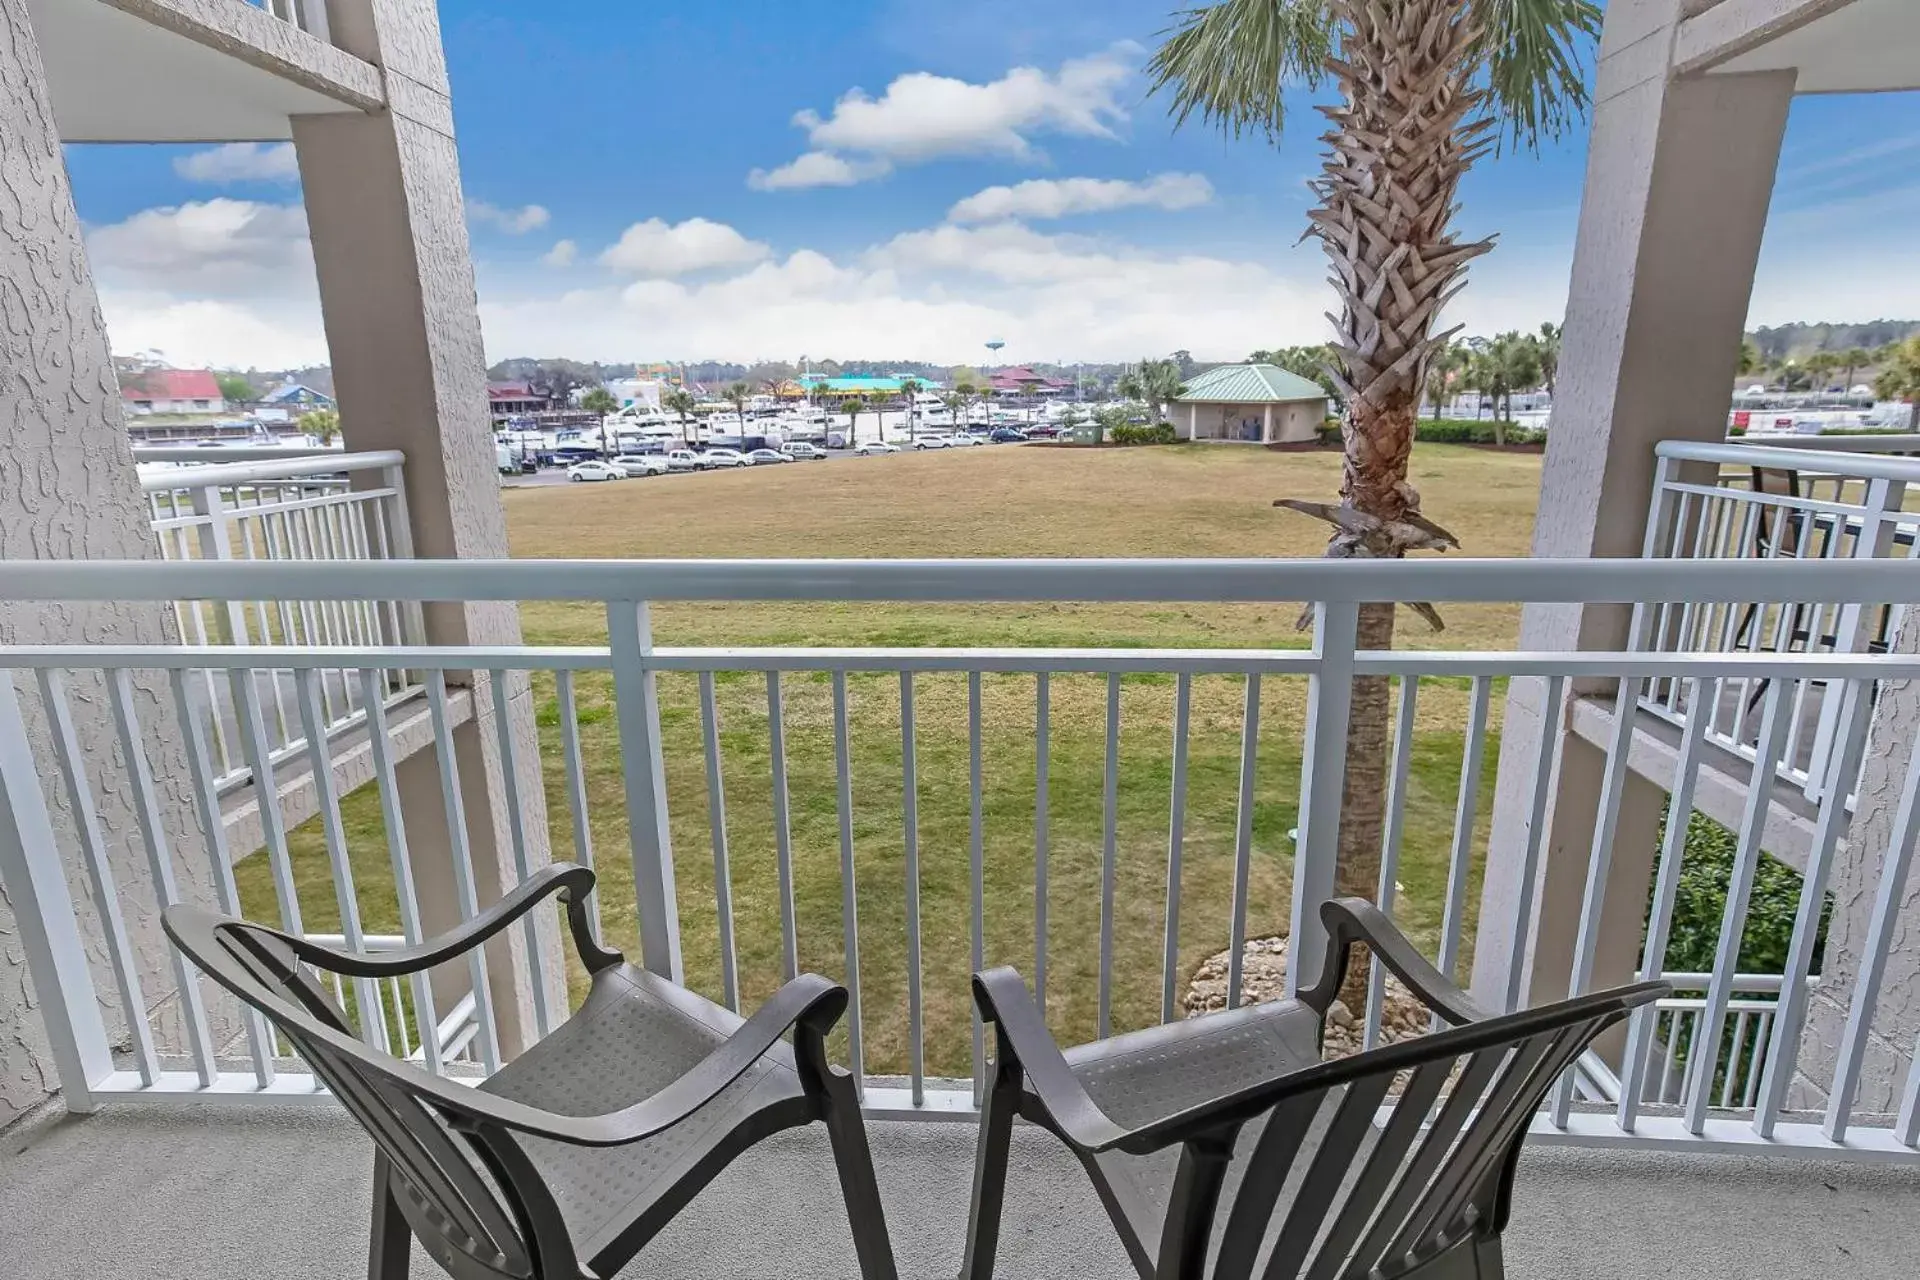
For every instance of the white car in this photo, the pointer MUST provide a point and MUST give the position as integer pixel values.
(721, 459)
(801, 451)
(767, 457)
(933, 442)
(642, 464)
(962, 440)
(594, 470)
(683, 460)
(875, 447)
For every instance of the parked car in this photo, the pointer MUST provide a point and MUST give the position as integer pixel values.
(924, 443)
(875, 447)
(1007, 435)
(594, 471)
(961, 440)
(801, 451)
(684, 460)
(642, 464)
(767, 457)
(722, 459)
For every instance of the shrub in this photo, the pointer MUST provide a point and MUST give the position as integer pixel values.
(1329, 431)
(1702, 898)
(1130, 434)
(1473, 431)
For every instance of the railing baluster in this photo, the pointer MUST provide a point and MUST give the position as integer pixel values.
(1727, 1087)
(1243, 841)
(1109, 852)
(1773, 733)
(1042, 697)
(1556, 690)
(1395, 829)
(782, 828)
(1783, 1049)
(226, 891)
(266, 791)
(910, 820)
(643, 770)
(406, 898)
(126, 972)
(543, 1019)
(1666, 891)
(976, 876)
(717, 823)
(578, 811)
(372, 1026)
(1875, 951)
(1323, 772)
(849, 893)
(1906, 1125)
(463, 877)
(1593, 902)
(1466, 808)
(1176, 842)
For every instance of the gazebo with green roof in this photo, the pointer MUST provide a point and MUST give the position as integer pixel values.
(1250, 404)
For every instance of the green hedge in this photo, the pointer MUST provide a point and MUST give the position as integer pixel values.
(1702, 898)
(1130, 434)
(1473, 431)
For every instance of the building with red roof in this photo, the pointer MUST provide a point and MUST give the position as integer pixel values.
(171, 391)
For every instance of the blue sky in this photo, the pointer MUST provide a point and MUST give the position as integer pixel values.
(897, 179)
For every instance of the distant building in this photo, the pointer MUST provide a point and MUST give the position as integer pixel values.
(171, 391)
(864, 386)
(1251, 403)
(1024, 382)
(506, 400)
(296, 397)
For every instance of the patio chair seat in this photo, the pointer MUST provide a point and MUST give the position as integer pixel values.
(633, 1036)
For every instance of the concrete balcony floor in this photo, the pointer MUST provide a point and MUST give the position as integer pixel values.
(230, 1194)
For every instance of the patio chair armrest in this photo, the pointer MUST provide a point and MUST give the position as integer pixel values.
(809, 998)
(1351, 920)
(572, 881)
(1003, 1000)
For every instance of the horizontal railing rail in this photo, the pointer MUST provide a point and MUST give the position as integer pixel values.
(898, 817)
(306, 506)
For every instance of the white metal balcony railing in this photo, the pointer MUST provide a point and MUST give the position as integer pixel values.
(1292, 714)
(282, 505)
(1742, 501)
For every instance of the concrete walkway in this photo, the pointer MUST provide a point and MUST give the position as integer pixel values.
(257, 1194)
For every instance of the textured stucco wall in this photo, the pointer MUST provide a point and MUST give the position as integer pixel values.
(1856, 879)
(68, 491)
(401, 309)
(1679, 179)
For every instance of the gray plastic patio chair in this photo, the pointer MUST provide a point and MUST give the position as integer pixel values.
(1378, 1185)
(564, 1163)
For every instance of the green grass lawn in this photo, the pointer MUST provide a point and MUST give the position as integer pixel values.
(1003, 502)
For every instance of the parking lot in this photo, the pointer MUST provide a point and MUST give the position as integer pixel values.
(558, 475)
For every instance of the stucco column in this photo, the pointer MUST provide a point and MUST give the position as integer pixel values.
(68, 491)
(1266, 424)
(397, 295)
(1679, 177)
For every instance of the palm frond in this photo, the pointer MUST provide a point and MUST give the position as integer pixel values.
(1232, 61)
(1536, 53)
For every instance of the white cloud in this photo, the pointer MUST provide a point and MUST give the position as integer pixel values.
(922, 117)
(654, 248)
(818, 169)
(1062, 197)
(515, 222)
(240, 162)
(562, 254)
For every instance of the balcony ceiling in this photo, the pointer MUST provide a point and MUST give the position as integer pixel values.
(115, 77)
(1866, 47)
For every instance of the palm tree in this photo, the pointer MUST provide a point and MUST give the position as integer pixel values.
(322, 424)
(1548, 344)
(1853, 359)
(681, 403)
(1752, 359)
(1448, 364)
(1154, 383)
(737, 395)
(910, 388)
(1425, 89)
(1900, 378)
(968, 393)
(600, 401)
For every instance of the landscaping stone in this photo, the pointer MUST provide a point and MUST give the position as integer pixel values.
(1263, 977)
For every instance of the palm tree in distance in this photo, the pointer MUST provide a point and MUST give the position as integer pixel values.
(1426, 88)
(1154, 383)
(1549, 346)
(910, 388)
(681, 403)
(1853, 359)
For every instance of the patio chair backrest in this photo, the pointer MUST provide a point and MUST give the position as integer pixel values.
(455, 1210)
(1416, 1151)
